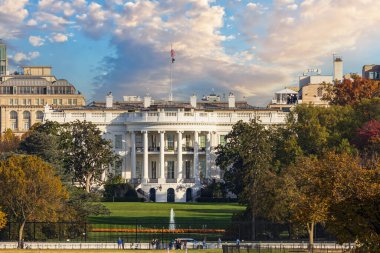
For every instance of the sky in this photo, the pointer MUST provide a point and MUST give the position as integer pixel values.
(250, 48)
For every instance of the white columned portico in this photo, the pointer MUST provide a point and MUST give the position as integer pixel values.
(145, 174)
(196, 158)
(162, 156)
(208, 155)
(179, 155)
(133, 155)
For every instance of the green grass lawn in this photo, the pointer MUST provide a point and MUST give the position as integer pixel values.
(136, 212)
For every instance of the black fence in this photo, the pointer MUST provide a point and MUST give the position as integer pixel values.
(257, 248)
(147, 232)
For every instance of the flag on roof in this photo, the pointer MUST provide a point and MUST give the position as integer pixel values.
(172, 55)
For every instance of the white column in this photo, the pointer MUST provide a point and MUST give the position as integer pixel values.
(208, 155)
(162, 155)
(179, 155)
(196, 160)
(145, 174)
(133, 155)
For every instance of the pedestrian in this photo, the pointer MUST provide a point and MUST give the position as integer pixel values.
(219, 242)
(122, 243)
(238, 244)
(119, 243)
(204, 244)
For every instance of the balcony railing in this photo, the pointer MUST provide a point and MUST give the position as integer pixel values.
(154, 149)
(153, 180)
(189, 180)
(171, 180)
(188, 149)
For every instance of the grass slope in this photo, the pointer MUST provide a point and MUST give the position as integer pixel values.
(131, 213)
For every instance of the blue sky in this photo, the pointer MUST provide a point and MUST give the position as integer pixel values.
(250, 48)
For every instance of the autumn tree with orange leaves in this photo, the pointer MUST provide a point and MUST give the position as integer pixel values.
(30, 191)
(351, 91)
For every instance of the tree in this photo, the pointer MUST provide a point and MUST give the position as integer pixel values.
(86, 154)
(354, 213)
(3, 219)
(352, 91)
(30, 190)
(306, 187)
(246, 159)
(43, 140)
(9, 141)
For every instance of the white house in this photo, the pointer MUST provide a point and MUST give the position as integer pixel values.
(168, 148)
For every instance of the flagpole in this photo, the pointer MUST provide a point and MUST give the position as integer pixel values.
(171, 66)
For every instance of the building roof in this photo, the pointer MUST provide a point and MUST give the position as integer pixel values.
(174, 105)
(22, 80)
(286, 91)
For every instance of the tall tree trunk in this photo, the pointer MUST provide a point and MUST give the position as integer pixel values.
(21, 235)
(253, 227)
(88, 183)
(310, 230)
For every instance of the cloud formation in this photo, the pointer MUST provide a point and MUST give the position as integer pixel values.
(248, 47)
(36, 41)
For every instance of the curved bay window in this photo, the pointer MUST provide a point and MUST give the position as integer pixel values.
(26, 120)
(14, 120)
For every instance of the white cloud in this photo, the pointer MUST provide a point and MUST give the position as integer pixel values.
(31, 22)
(59, 37)
(22, 57)
(12, 15)
(36, 41)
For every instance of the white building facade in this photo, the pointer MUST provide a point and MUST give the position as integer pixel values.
(167, 148)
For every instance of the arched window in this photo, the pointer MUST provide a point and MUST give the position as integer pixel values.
(152, 194)
(14, 120)
(26, 115)
(39, 115)
(26, 120)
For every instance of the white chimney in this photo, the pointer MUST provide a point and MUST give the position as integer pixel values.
(147, 101)
(338, 68)
(109, 100)
(193, 101)
(231, 100)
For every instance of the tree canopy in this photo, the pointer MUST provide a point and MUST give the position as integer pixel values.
(30, 190)
(86, 155)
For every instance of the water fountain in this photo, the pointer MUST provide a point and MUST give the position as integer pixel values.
(172, 222)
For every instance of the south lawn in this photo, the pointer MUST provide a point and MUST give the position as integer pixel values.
(136, 212)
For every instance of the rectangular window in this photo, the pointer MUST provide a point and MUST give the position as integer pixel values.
(37, 101)
(70, 101)
(187, 169)
(222, 140)
(29, 102)
(74, 102)
(24, 101)
(170, 170)
(138, 140)
(60, 101)
(202, 167)
(154, 170)
(138, 169)
(16, 101)
(202, 141)
(118, 141)
(188, 140)
(54, 101)
(11, 101)
(13, 125)
(118, 167)
(170, 141)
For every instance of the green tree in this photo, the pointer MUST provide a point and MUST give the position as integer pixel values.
(30, 190)
(44, 141)
(86, 154)
(246, 159)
